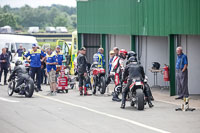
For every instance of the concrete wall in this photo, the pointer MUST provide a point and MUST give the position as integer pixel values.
(120, 41)
(153, 49)
(191, 46)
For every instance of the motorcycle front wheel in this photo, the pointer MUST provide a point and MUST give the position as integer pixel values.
(29, 88)
(11, 87)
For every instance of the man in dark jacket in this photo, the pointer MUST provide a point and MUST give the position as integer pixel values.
(82, 70)
(4, 64)
(21, 73)
(133, 71)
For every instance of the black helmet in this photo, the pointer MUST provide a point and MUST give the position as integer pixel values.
(131, 54)
(132, 59)
(18, 62)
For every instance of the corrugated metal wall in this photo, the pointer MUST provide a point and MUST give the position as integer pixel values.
(147, 17)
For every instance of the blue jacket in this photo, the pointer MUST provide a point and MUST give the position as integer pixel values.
(181, 61)
(51, 59)
(59, 57)
(99, 58)
(110, 63)
(35, 57)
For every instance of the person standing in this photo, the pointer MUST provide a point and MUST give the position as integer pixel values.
(59, 55)
(51, 63)
(9, 54)
(35, 64)
(10, 57)
(182, 74)
(82, 70)
(99, 58)
(112, 54)
(116, 51)
(4, 65)
(43, 73)
(20, 51)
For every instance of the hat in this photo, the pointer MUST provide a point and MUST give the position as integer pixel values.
(112, 52)
(58, 46)
(34, 45)
(83, 48)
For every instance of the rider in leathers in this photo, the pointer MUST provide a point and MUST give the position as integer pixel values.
(117, 67)
(133, 70)
(21, 73)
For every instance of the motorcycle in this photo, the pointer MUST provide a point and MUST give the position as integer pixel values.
(136, 94)
(27, 87)
(98, 79)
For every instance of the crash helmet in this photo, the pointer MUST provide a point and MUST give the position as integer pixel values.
(18, 62)
(123, 53)
(132, 59)
(131, 54)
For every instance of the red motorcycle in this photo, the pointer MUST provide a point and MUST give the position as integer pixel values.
(98, 79)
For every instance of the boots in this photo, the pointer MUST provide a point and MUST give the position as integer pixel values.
(149, 102)
(81, 91)
(115, 97)
(85, 91)
(123, 101)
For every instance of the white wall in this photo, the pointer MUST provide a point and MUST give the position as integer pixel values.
(153, 49)
(191, 46)
(121, 41)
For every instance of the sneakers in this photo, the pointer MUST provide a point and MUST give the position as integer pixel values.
(52, 93)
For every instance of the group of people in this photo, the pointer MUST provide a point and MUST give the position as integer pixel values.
(127, 71)
(42, 63)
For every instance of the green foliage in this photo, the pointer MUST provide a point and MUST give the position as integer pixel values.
(7, 19)
(43, 16)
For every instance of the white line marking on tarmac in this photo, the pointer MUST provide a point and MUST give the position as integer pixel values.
(105, 114)
(7, 100)
(173, 103)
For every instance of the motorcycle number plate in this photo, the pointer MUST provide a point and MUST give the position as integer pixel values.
(138, 83)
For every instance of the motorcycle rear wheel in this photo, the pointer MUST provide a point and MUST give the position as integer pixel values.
(139, 99)
(30, 89)
(102, 85)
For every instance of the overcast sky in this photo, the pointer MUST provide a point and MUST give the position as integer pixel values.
(36, 3)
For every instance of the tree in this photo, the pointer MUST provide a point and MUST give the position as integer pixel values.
(61, 20)
(7, 19)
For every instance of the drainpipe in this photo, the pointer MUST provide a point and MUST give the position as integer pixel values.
(133, 43)
(172, 71)
(79, 41)
(103, 43)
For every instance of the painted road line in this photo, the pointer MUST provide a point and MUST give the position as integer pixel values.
(106, 114)
(7, 100)
(173, 103)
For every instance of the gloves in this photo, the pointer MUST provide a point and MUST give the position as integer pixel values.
(9, 80)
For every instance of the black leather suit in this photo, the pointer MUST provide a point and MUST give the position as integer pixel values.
(21, 73)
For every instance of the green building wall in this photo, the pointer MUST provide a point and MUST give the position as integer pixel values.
(146, 17)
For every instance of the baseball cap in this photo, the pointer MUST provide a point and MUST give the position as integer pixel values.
(83, 48)
(58, 46)
(34, 45)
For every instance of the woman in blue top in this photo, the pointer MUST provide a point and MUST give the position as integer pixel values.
(51, 63)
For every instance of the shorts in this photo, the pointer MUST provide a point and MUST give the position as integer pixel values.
(52, 76)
